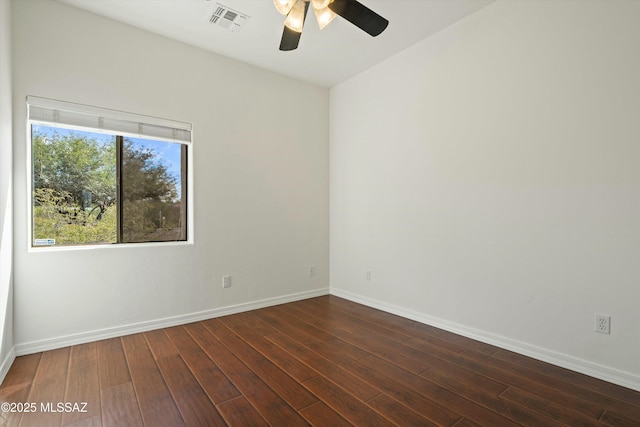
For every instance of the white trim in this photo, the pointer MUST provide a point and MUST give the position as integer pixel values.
(53, 104)
(118, 331)
(612, 375)
(109, 246)
(6, 364)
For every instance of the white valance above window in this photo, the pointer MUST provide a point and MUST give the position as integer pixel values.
(86, 117)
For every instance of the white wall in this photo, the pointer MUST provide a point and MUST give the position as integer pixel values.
(6, 209)
(261, 184)
(489, 178)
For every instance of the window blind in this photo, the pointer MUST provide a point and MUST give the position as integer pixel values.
(88, 117)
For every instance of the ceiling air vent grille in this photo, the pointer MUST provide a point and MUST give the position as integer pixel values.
(228, 18)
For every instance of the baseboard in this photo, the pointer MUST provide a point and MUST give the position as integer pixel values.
(624, 379)
(90, 336)
(6, 364)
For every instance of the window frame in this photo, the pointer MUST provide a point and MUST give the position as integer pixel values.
(129, 118)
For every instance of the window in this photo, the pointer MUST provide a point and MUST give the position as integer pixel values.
(102, 177)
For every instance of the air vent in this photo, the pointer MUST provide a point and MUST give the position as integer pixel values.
(227, 18)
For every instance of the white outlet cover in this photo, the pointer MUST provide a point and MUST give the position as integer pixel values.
(226, 281)
(602, 324)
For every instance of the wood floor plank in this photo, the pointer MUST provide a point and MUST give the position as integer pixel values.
(617, 420)
(594, 398)
(379, 381)
(392, 328)
(455, 402)
(448, 374)
(120, 407)
(324, 315)
(371, 315)
(320, 315)
(319, 414)
(95, 421)
(239, 412)
(402, 327)
(485, 391)
(160, 344)
(570, 377)
(292, 327)
(46, 391)
(83, 354)
(548, 407)
(53, 365)
(464, 422)
(157, 406)
(17, 385)
(406, 357)
(10, 419)
(192, 401)
(345, 403)
(290, 390)
(350, 365)
(48, 387)
(134, 341)
(248, 318)
(499, 372)
(211, 378)
(613, 398)
(307, 333)
(270, 406)
(83, 386)
(398, 413)
(22, 372)
(289, 364)
(480, 390)
(112, 364)
(328, 369)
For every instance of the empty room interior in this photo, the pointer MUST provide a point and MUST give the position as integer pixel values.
(436, 223)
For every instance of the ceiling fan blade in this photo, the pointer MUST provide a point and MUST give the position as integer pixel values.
(291, 38)
(360, 16)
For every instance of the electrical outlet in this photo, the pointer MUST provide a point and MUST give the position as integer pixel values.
(226, 281)
(312, 270)
(602, 324)
(367, 276)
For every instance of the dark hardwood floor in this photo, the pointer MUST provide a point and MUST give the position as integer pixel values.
(323, 361)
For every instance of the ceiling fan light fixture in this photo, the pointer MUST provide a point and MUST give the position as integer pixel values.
(295, 18)
(320, 4)
(324, 16)
(284, 6)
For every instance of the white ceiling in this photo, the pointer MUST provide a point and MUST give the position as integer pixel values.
(325, 57)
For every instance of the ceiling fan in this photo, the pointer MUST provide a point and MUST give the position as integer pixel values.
(325, 11)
